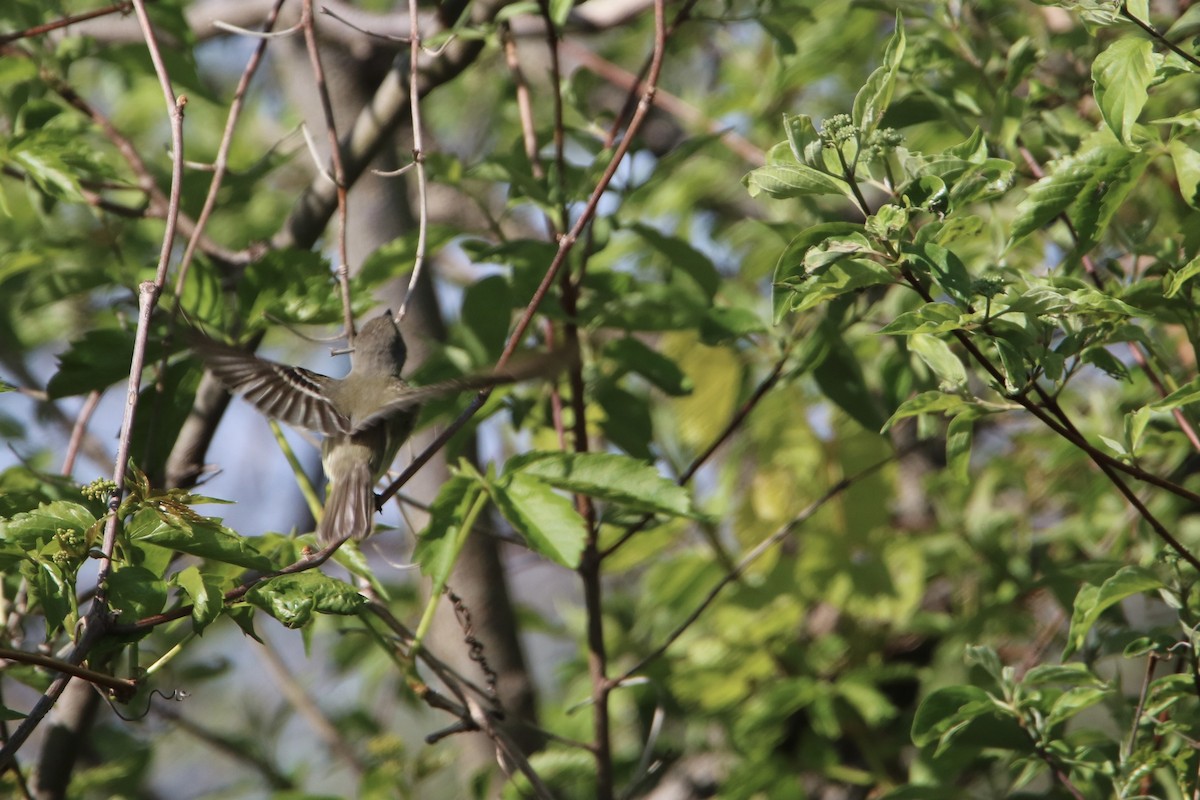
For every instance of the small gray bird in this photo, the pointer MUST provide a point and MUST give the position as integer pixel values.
(364, 417)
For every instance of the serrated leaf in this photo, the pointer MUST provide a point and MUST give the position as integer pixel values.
(1177, 278)
(547, 521)
(615, 478)
(1122, 76)
(200, 537)
(205, 594)
(292, 599)
(32, 529)
(135, 593)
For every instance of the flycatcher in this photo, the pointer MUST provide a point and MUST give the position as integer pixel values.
(364, 417)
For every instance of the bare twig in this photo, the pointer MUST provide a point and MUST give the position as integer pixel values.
(418, 151)
(299, 698)
(335, 157)
(62, 22)
(79, 431)
(122, 689)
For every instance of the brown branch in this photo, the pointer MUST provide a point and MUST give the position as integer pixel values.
(62, 22)
(122, 689)
(308, 24)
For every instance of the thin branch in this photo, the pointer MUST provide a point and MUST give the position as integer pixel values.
(734, 423)
(418, 151)
(335, 156)
(757, 552)
(79, 430)
(1135, 349)
(565, 245)
(62, 22)
(221, 162)
(122, 689)
(299, 698)
(1158, 37)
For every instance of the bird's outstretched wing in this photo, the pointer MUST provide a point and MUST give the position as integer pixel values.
(293, 395)
(408, 397)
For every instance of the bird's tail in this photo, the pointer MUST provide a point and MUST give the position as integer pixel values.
(349, 506)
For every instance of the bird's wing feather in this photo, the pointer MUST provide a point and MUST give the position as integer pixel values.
(408, 397)
(293, 395)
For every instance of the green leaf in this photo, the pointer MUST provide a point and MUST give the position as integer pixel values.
(96, 361)
(840, 376)
(627, 481)
(1178, 278)
(197, 536)
(136, 593)
(547, 521)
(627, 423)
(1122, 75)
(1073, 674)
(946, 267)
(52, 590)
(873, 98)
(1187, 172)
(1093, 181)
(9, 715)
(292, 599)
(959, 438)
(1072, 701)
(486, 315)
(938, 356)
(1184, 395)
(722, 324)
(632, 355)
(439, 544)
(682, 256)
(802, 138)
(783, 181)
(33, 529)
(929, 318)
(838, 278)
(1091, 601)
(926, 403)
(946, 711)
(205, 594)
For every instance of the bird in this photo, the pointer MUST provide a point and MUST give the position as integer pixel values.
(363, 417)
